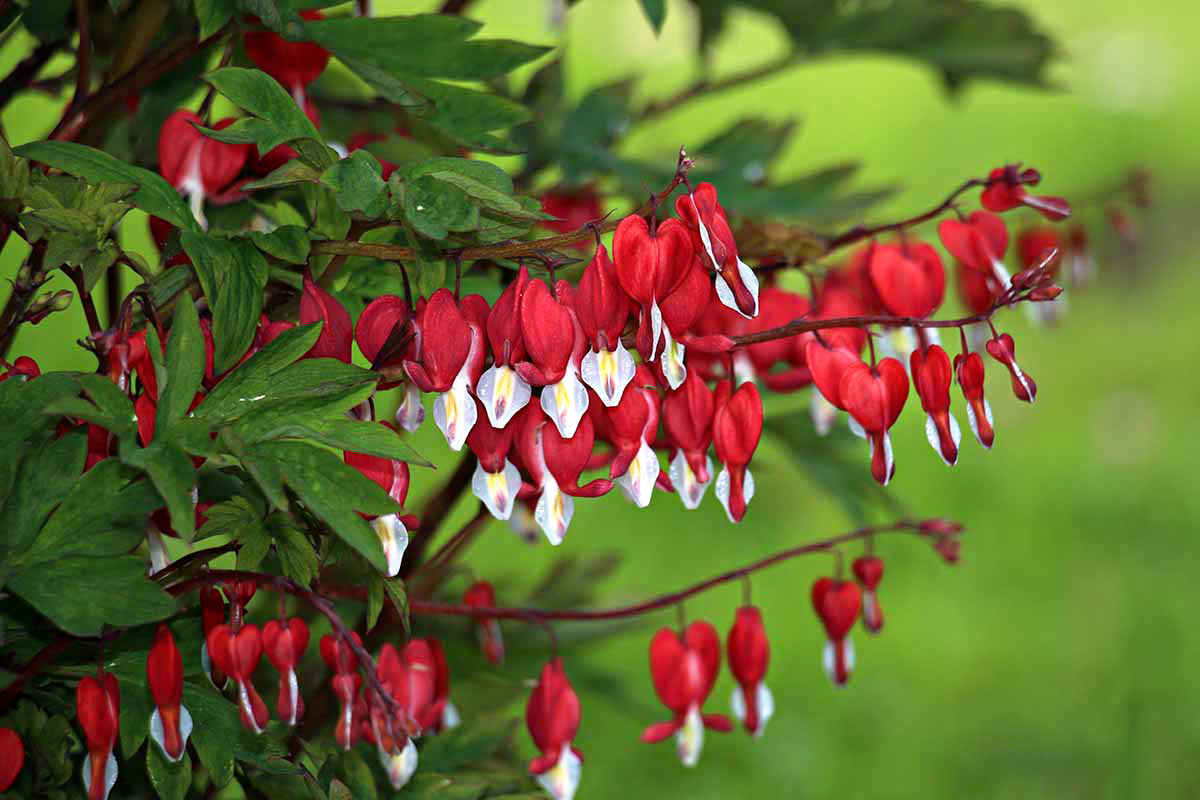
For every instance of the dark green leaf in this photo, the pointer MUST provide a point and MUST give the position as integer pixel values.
(235, 518)
(466, 744)
(233, 275)
(213, 15)
(398, 594)
(656, 12)
(288, 243)
(185, 367)
(296, 554)
(356, 179)
(136, 707)
(154, 195)
(82, 594)
(435, 208)
(290, 173)
(170, 780)
(47, 473)
(355, 436)
(22, 404)
(173, 475)
(251, 381)
(215, 731)
(314, 386)
(374, 598)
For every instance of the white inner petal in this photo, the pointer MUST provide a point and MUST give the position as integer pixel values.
(562, 780)
(638, 481)
(690, 490)
(411, 412)
(565, 403)
(503, 393)
(554, 510)
(672, 360)
(689, 741)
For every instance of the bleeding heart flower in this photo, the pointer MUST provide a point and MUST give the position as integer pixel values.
(12, 757)
(687, 418)
(681, 310)
(345, 682)
(452, 354)
(440, 715)
(170, 723)
(555, 464)
(386, 333)
(631, 426)
(237, 655)
(573, 208)
(909, 278)
(602, 309)
(552, 716)
(968, 371)
(650, 266)
(481, 595)
(194, 164)
(748, 652)
(874, 396)
(1006, 190)
(318, 305)
(213, 612)
(23, 368)
(284, 642)
(827, 366)
(737, 427)
(837, 604)
(684, 669)
(496, 481)
(736, 283)
(500, 389)
(979, 244)
(1004, 350)
(392, 529)
(293, 64)
(554, 343)
(98, 708)
(869, 571)
(931, 375)
(408, 677)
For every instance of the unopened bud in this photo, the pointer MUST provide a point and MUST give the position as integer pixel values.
(1031, 177)
(949, 549)
(939, 526)
(61, 300)
(1044, 294)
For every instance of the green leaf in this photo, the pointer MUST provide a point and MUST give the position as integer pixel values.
(256, 544)
(458, 747)
(81, 594)
(356, 179)
(356, 436)
(276, 117)
(136, 708)
(656, 12)
(215, 731)
(234, 518)
(397, 592)
(154, 195)
(214, 15)
(329, 488)
(312, 386)
(250, 382)
(173, 475)
(374, 598)
(185, 368)
(233, 275)
(288, 243)
(21, 406)
(290, 173)
(170, 780)
(466, 113)
(296, 554)
(47, 473)
(435, 208)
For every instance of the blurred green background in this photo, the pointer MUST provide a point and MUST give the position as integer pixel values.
(1058, 659)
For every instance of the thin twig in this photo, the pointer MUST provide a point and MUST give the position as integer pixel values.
(706, 86)
(83, 57)
(36, 665)
(22, 75)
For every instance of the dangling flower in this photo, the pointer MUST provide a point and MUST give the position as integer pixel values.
(318, 305)
(650, 266)
(196, 165)
(345, 682)
(681, 310)
(496, 481)
(748, 653)
(451, 355)
(737, 427)
(631, 426)
(554, 344)
(386, 333)
(684, 669)
(552, 716)
(408, 677)
(555, 464)
(212, 613)
(237, 655)
(837, 603)
(170, 723)
(1006, 190)
(23, 368)
(441, 714)
(294, 64)
(869, 571)
(481, 595)
(968, 371)
(1004, 350)
(979, 244)
(602, 309)
(687, 417)
(931, 375)
(500, 389)
(12, 757)
(98, 708)
(736, 283)
(285, 642)
(827, 364)
(908, 278)
(874, 396)
(392, 529)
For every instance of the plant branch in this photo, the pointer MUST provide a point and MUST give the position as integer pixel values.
(22, 75)
(85, 300)
(933, 529)
(709, 85)
(83, 57)
(35, 666)
(29, 278)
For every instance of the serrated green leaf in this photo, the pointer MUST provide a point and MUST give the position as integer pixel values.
(357, 182)
(434, 208)
(22, 405)
(312, 386)
(81, 594)
(215, 731)
(288, 243)
(256, 543)
(233, 275)
(296, 554)
(154, 195)
(232, 518)
(48, 470)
